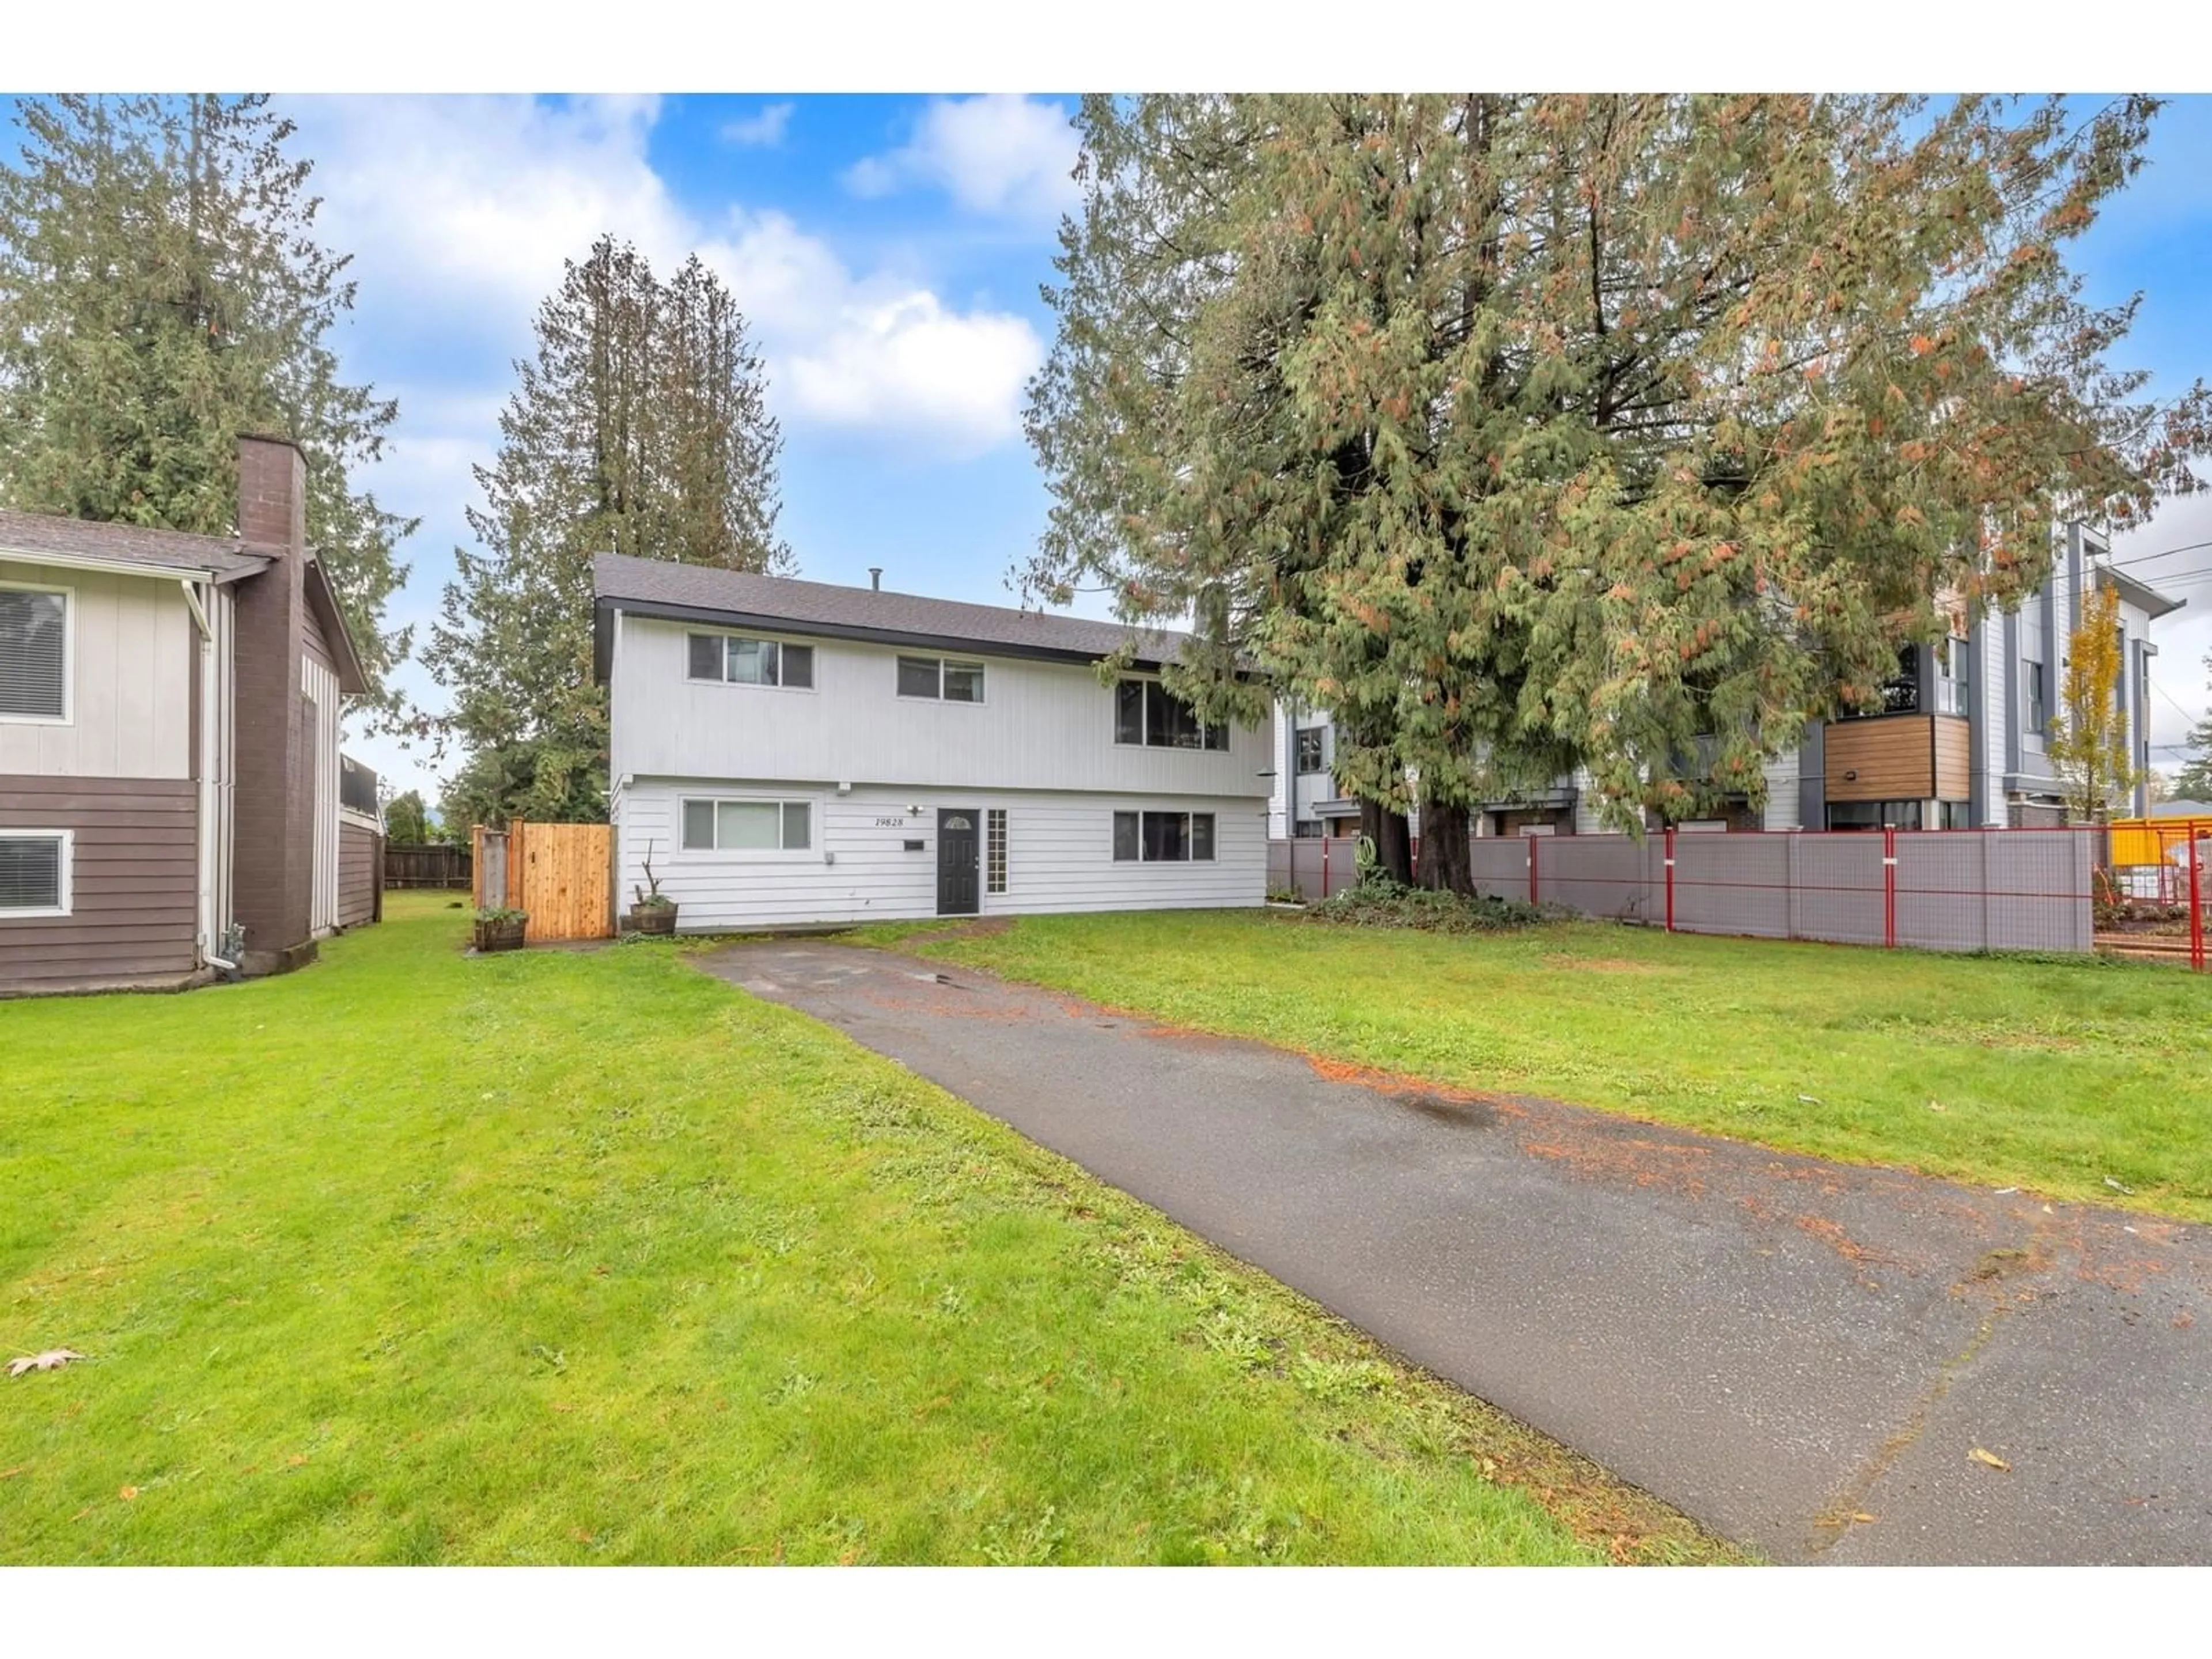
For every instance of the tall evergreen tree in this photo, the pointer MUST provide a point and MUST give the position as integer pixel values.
(161, 291)
(639, 427)
(1538, 432)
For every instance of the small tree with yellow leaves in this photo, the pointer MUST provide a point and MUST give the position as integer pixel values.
(2089, 739)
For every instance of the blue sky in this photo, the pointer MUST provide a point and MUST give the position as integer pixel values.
(888, 252)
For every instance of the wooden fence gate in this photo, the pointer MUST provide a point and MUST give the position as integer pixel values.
(562, 874)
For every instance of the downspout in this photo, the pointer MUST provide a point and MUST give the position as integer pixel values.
(1290, 768)
(204, 745)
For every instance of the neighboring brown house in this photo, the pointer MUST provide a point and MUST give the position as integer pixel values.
(170, 769)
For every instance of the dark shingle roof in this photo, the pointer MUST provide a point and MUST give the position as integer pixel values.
(123, 543)
(790, 605)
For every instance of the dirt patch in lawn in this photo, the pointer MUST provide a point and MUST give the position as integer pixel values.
(1574, 964)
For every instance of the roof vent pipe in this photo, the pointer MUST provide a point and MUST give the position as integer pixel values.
(875, 578)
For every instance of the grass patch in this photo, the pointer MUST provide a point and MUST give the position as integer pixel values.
(563, 1257)
(2058, 1074)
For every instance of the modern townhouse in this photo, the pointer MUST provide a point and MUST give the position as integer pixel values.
(1961, 740)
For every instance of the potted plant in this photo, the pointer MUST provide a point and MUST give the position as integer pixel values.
(653, 911)
(499, 928)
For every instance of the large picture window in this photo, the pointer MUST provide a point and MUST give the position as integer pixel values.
(1147, 714)
(941, 679)
(738, 659)
(34, 873)
(1163, 837)
(33, 653)
(748, 826)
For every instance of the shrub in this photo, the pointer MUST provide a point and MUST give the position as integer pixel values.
(1387, 904)
(502, 913)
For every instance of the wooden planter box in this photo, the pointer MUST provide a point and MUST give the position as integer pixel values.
(657, 920)
(500, 935)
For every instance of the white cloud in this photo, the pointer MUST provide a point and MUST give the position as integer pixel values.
(998, 154)
(875, 350)
(464, 208)
(764, 129)
(477, 200)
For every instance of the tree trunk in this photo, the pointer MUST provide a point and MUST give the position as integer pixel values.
(1447, 863)
(1394, 844)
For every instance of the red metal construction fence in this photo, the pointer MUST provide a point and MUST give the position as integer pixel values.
(1936, 890)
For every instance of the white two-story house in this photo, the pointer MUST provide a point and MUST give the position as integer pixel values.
(792, 753)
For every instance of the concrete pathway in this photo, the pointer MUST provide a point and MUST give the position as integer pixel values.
(1802, 1355)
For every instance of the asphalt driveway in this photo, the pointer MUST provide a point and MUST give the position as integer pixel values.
(1802, 1355)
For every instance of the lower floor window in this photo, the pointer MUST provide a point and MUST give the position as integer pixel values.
(994, 850)
(1163, 837)
(748, 826)
(1873, 815)
(33, 872)
(1307, 829)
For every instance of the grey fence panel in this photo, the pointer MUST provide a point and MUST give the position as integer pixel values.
(1942, 898)
(1314, 867)
(1278, 865)
(1606, 876)
(1500, 864)
(1730, 884)
(2038, 891)
(1837, 888)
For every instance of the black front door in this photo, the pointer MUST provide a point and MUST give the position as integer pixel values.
(957, 890)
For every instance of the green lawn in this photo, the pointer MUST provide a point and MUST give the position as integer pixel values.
(567, 1257)
(2053, 1075)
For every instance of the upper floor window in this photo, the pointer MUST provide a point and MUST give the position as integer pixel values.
(34, 654)
(1313, 750)
(1147, 713)
(1951, 676)
(940, 678)
(2039, 710)
(741, 661)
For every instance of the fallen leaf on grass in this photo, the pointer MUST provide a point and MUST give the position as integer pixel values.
(128, 1493)
(1935, 1105)
(51, 1360)
(2119, 1187)
(9, 1475)
(1989, 1458)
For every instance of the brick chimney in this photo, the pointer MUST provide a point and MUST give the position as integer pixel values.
(273, 792)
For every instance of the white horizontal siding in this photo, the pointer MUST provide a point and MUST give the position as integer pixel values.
(1041, 725)
(1060, 856)
(1783, 810)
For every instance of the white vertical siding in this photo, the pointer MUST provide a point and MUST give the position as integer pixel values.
(131, 670)
(1060, 855)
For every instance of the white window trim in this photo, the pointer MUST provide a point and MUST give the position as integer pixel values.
(68, 716)
(1142, 812)
(1114, 723)
(943, 662)
(778, 640)
(754, 855)
(68, 880)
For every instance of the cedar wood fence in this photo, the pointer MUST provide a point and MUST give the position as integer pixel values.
(431, 866)
(1937, 890)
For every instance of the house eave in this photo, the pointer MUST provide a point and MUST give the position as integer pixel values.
(607, 607)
